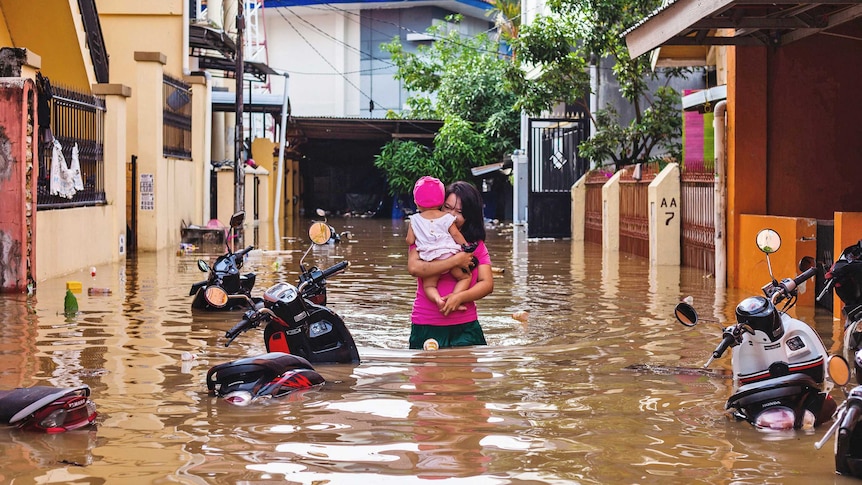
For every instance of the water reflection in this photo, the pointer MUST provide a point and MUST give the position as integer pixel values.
(572, 393)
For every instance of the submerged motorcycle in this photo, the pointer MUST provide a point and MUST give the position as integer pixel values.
(335, 237)
(848, 444)
(845, 276)
(778, 361)
(300, 330)
(47, 409)
(225, 278)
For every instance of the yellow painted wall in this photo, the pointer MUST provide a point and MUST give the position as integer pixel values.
(53, 30)
(71, 239)
(5, 36)
(798, 239)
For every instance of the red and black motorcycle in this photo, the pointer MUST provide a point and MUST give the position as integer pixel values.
(299, 330)
(47, 409)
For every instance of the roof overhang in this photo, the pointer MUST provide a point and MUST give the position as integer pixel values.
(324, 128)
(686, 24)
(225, 101)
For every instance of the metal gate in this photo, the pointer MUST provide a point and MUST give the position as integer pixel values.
(554, 167)
(698, 215)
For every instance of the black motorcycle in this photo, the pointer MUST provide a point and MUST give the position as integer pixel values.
(47, 409)
(300, 330)
(848, 444)
(224, 280)
(845, 276)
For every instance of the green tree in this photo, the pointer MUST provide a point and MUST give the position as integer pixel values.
(460, 80)
(550, 66)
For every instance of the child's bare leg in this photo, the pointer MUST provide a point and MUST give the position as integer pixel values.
(462, 282)
(429, 284)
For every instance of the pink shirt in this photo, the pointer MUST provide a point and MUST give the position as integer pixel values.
(426, 313)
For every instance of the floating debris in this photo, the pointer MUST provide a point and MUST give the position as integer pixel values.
(672, 370)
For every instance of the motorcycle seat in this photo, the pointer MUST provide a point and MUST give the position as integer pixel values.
(771, 389)
(16, 404)
(253, 369)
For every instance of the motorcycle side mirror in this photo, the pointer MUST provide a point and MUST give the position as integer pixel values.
(806, 263)
(768, 241)
(686, 314)
(203, 266)
(237, 219)
(838, 370)
(319, 233)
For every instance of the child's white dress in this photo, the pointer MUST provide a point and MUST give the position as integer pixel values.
(433, 240)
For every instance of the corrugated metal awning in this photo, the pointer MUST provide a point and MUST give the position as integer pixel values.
(741, 22)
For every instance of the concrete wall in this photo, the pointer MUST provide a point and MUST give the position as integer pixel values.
(665, 218)
(798, 239)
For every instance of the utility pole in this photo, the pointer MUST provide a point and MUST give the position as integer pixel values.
(239, 170)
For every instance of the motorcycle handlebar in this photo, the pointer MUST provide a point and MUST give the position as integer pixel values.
(808, 273)
(788, 286)
(242, 253)
(237, 329)
(335, 269)
(726, 342)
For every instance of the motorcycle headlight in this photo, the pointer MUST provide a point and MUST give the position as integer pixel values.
(215, 296)
(776, 417)
(54, 420)
(239, 398)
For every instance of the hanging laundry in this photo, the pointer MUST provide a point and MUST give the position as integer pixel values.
(62, 178)
(77, 181)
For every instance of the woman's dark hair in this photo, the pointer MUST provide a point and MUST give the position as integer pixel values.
(471, 208)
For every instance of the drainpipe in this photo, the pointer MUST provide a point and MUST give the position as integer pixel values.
(718, 124)
(279, 180)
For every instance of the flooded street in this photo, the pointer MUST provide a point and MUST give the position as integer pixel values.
(597, 385)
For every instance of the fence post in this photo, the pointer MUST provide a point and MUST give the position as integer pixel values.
(114, 158)
(201, 141)
(611, 213)
(664, 218)
(154, 228)
(579, 208)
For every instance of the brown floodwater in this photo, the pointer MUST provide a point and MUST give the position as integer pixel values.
(598, 384)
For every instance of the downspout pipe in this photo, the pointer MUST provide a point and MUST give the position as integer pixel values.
(279, 180)
(720, 127)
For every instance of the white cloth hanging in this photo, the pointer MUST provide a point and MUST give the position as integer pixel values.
(65, 181)
(77, 181)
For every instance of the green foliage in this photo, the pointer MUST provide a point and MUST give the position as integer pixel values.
(554, 52)
(457, 79)
(404, 162)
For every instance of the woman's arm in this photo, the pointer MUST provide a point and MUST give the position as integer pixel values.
(483, 287)
(423, 269)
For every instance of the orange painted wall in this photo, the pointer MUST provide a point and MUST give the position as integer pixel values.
(746, 150)
(797, 240)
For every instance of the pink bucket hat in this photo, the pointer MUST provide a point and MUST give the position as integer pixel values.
(428, 192)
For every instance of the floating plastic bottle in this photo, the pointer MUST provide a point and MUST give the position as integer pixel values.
(98, 291)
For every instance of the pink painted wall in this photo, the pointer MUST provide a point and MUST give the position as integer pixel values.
(18, 172)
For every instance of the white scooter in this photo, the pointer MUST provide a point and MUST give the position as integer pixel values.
(778, 361)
